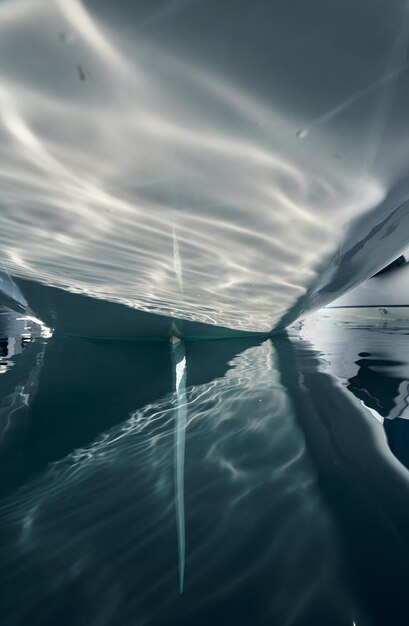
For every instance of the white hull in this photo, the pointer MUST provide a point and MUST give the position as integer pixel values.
(387, 312)
(382, 297)
(229, 168)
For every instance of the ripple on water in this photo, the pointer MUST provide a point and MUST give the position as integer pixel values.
(96, 534)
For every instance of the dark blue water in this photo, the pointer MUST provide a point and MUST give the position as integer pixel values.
(217, 482)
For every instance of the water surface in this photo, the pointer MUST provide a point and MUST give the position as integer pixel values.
(230, 481)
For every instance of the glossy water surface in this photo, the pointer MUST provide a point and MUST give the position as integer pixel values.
(218, 482)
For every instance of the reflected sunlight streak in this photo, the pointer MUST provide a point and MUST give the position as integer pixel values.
(179, 362)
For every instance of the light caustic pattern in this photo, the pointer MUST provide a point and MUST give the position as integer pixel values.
(110, 149)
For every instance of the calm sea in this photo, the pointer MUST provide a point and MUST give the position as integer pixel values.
(219, 482)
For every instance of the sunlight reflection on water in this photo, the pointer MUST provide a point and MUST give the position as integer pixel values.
(227, 469)
(246, 473)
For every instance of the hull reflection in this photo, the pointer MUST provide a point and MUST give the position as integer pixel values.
(243, 474)
(100, 523)
(365, 484)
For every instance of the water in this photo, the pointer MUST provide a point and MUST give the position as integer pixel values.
(210, 168)
(230, 482)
